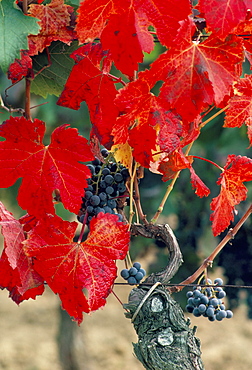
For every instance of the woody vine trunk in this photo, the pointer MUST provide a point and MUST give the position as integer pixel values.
(165, 339)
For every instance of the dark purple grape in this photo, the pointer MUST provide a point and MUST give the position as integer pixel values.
(109, 190)
(118, 177)
(137, 265)
(133, 271)
(106, 171)
(132, 280)
(125, 274)
(109, 179)
(104, 152)
(96, 162)
(94, 200)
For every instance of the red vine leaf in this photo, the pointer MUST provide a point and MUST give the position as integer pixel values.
(123, 27)
(16, 269)
(240, 106)
(223, 16)
(90, 84)
(196, 75)
(20, 68)
(43, 168)
(177, 161)
(54, 22)
(70, 267)
(237, 170)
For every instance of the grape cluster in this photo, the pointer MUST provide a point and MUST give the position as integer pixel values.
(207, 301)
(105, 187)
(134, 274)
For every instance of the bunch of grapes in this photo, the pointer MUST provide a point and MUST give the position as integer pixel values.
(134, 274)
(106, 186)
(207, 301)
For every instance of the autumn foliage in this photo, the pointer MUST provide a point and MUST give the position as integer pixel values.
(94, 54)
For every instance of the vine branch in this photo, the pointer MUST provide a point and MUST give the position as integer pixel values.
(208, 261)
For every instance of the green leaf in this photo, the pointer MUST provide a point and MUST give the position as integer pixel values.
(52, 79)
(14, 29)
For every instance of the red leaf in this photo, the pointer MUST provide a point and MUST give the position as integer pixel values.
(126, 36)
(43, 168)
(223, 16)
(240, 106)
(122, 27)
(237, 170)
(164, 16)
(88, 83)
(196, 75)
(20, 68)
(54, 23)
(70, 267)
(177, 161)
(16, 269)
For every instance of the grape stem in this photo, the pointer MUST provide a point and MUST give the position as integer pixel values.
(208, 261)
(142, 216)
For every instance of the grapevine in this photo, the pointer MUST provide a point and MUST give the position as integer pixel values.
(153, 76)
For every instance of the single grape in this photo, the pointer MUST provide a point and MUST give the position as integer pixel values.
(105, 171)
(111, 203)
(125, 274)
(97, 169)
(189, 308)
(133, 271)
(113, 167)
(109, 190)
(218, 281)
(142, 271)
(132, 280)
(88, 194)
(139, 276)
(204, 299)
(94, 200)
(212, 318)
(208, 281)
(189, 294)
(109, 179)
(92, 168)
(103, 184)
(221, 294)
(118, 177)
(137, 265)
(104, 152)
(229, 314)
(202, 308)
(196, 293)
(96, 162)
(90, 209)
(103, 196)
(121, 188)
(81, 218)
(220, 315)
(125, 173)
(210, 311)
(107, 209)
(214, 302)
(196, 312)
